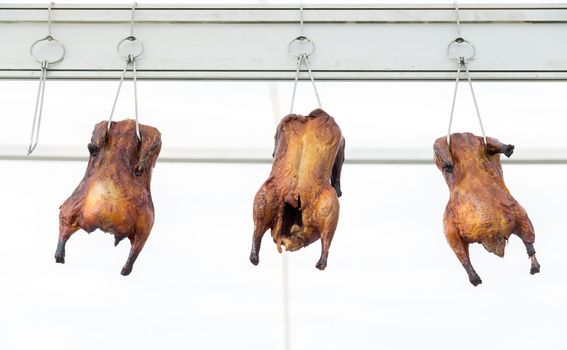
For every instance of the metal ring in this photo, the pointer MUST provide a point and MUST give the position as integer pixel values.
(460, 45)
(300, 46)
(130, 48)
(57, 50)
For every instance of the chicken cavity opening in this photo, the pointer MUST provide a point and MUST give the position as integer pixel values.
(291, 235)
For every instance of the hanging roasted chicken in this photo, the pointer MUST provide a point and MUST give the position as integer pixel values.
(299, 201)
(480, 208)
(114, 195)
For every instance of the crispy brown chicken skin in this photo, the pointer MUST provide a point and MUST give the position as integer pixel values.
(480, 207)
(114, 195)
(299, 201)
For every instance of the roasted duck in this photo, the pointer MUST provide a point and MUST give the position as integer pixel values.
(114, 195)
(480, 208)
(299, 201)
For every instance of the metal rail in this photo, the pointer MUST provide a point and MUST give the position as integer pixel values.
(249, 42)
(263, 156)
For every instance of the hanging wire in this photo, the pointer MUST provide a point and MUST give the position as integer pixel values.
(295, 83)
(474, 100)
(34, 136)
(462, 62)
(458, 20)
(301, 19)
(136, 99)
(132, 19)
(306, 59)
(453, 104)
(36, 124)
(49, 19)
(117, 94)
(130, 58)
(302, 56)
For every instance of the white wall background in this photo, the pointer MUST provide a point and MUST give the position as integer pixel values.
(392, 281)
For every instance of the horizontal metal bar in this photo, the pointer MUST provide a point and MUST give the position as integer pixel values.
(263, 156)
(312, 14)
(249, 42)
(276, 6)
(275, 75)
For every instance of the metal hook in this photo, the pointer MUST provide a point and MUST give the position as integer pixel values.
(45, 58)
(129, 43)
(460, 49)
(34, 135)
(458, 19)
(116, 97)
(453, 105)
(132, 19)
(301, 44)
(131, 59)
(136, 99)
(301, 19)
(462, 61)
(49, 19)
(302, 47)
(306, 59)
(474, 100)
(295, 83)
(131, 46)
